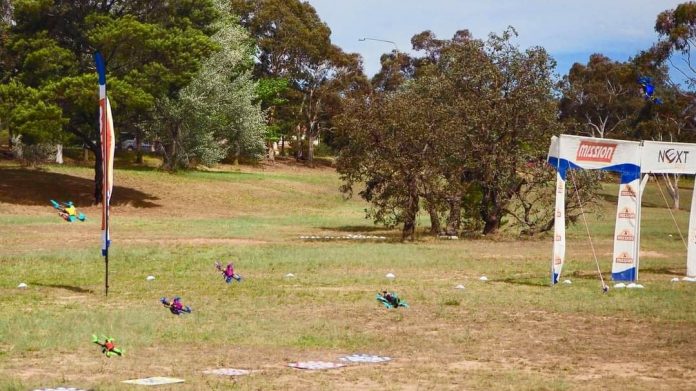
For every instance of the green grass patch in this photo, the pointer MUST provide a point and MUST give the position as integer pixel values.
(512, 332)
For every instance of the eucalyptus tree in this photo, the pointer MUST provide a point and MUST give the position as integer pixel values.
(459, 132)
(217, 112)
(294, 44)
(601, 98)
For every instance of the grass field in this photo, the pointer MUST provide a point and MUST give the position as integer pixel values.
(512, 332)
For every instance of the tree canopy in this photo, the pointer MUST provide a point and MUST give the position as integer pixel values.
(474, 114)
(294, 44)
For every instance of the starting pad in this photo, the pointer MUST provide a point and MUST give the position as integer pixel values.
(154, 381)
(315, 365)
(227, 372)
(365, 358)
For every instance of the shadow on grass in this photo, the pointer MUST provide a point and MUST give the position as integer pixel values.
(37, 187)
(135, 167)
(662, 270)
(71, 288)
(123, 160)
(354, 228)
(523, 281)
(585, 275)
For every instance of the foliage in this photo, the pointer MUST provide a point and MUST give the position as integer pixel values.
(32, 154)
(293, 44)
(152, 50)
(531, 208)
(385, 150)
(601, 98)
(677, 34)
(496, 101)
(215, 113)
(270, 92)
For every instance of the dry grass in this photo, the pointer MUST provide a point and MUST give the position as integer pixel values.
(513, 332)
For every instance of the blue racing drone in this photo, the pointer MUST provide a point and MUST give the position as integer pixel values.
(648, 90)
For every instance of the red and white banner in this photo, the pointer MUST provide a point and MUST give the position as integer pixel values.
(106, 131)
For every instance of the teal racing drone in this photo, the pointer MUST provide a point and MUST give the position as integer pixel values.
(391, 300)
(67, 211)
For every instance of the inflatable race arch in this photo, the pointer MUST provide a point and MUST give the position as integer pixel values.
(585, 153)
(630, 159)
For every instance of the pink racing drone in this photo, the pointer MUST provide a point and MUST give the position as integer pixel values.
(228, 272)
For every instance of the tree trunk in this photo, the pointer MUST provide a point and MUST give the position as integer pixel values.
(490, 212)
(492, 224)
(672, 182)
(270, 155)
(282, 145)
(59, 153)
(170, 152)
(310, 148)
(435, 224)
(299, 132)
(139, 145)
(454, 220)
(237, 153)
(9, 140)
(410, 211)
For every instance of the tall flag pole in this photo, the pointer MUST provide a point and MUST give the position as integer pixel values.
(106, 131)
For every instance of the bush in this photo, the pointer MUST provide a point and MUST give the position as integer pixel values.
(32, 154)
(324, 150)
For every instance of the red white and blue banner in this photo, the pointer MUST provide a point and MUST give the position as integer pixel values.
(574, 152)
(625, 259)
(106, 131)
(559, 228)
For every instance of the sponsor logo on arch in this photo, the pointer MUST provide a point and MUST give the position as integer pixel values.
(672, 156)
(628, 191)
(626, 235)
(595, 151)
(625, 258)
(627, 213)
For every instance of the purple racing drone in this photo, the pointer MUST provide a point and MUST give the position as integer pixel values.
(175, 306)
(228, 272)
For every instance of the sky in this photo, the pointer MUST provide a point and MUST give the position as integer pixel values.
(569, 30)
